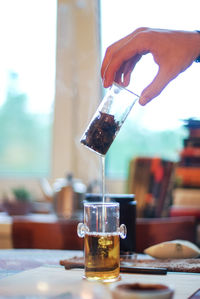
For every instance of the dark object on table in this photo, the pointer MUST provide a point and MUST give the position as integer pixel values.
(78, 263)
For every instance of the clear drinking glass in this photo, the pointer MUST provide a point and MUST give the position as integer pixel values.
(108, 119)
(101, 232)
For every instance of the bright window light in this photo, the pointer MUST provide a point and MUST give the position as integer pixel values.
(27, 85)
(180, 99)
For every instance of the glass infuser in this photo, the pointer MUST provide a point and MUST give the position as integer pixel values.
(108, 119)
(101, 232)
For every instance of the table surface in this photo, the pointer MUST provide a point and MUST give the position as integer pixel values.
(38, 273)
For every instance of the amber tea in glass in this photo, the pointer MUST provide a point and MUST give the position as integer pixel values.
(101, 234)
(105, 264)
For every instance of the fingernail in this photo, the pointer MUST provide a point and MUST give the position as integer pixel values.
(142, 101)
(103, 81)
(105, 84)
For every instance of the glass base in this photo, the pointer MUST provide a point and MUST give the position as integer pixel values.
(105, 280)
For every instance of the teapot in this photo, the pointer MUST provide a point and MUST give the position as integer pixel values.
(67, 195)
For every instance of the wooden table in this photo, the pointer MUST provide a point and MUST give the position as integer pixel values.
(37, 272)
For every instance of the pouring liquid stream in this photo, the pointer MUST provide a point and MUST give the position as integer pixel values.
(103, 191)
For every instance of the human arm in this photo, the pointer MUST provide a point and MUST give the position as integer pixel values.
(174, 51)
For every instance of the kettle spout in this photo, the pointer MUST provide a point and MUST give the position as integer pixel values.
(46, 189)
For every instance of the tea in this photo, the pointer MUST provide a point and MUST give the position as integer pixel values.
(101, 231)
(101, 133)
(108, 119)
(102, 256)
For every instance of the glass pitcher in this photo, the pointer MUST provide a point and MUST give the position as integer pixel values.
(101, 232)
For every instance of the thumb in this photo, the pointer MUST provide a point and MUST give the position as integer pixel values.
(154, 88)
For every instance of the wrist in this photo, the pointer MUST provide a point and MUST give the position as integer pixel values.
(198, 58)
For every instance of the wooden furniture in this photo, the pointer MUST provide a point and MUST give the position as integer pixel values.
(5, 231)
(44, 277)
(45, 232)
(49, 232)
(150, 231)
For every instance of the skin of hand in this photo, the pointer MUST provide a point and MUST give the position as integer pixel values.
(173, 51)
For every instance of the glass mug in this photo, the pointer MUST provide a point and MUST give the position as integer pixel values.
(108, 119)
(101, 232)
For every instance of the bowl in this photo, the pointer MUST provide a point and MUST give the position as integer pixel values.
(141, 291)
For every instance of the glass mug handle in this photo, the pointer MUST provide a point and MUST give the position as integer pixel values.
(122, 231)
(81, 230)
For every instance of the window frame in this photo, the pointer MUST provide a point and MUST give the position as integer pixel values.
(76, 97)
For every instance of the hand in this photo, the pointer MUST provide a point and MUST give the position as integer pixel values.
(173, 51)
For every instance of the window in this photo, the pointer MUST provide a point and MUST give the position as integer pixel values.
(156, 129)
(59, 87)
(52, 83)
(27, 76)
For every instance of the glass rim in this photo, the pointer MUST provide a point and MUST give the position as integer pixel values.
(100, 204)
(125, 88)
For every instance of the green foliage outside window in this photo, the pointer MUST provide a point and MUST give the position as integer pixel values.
(134, 140)
(25, 137)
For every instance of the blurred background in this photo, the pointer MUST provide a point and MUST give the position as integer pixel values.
(50, 86)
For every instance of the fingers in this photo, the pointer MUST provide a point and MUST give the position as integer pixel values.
(110, 52)
(155, 88)
(116, 55)
(123, 75)
(113, 66)
(121, 66)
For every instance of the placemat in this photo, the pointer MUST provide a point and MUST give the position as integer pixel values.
(172, 265)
